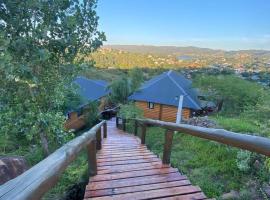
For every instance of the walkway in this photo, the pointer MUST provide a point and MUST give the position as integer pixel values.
(127, 170)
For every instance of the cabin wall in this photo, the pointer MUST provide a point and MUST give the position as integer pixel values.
(162, 112)
(78, 122)
(74, 121)
(149, 113)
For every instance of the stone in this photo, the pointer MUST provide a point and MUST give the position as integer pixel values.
(266, 189)
(11, 167)
(230, 195)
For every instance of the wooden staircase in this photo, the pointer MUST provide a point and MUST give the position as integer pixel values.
(128, 170)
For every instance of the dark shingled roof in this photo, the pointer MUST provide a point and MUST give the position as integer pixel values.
(91, 90)
(166, 89)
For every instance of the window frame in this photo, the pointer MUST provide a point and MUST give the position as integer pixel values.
(151, 105)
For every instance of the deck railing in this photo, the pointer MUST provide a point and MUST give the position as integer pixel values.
(35, 182)
(243, 141)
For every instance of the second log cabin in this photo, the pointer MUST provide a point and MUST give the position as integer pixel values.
(159, 97)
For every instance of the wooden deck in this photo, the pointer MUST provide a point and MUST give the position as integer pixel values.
(128, 170)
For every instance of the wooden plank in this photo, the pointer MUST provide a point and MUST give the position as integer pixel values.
(135, 181)
(193, 196)
(100, 160)
(101, 156)
(124, 162)
(131, 166)
(138, 188)
(134, 167)
(151, 194)
(133, 174)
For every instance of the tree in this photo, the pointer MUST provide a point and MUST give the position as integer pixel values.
(120, 90)
(136, 78)
(40, 46)
(231, 93)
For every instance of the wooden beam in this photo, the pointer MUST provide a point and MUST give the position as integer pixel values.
(167, 147)
(143, 135)
(124, 121)
(135, 127)
(92, 158)
(36, 181)
(243, 141)
(99, 139)
(117, 122)
(105, 130)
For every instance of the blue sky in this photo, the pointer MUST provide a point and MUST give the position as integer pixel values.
(218, 24)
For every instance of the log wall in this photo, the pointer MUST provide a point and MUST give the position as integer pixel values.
(162, 112)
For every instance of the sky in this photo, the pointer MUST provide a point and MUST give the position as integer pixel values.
(216, 24)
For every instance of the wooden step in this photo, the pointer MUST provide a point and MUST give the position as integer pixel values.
(128, 170)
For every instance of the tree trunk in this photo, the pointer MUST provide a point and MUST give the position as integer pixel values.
(44, 143)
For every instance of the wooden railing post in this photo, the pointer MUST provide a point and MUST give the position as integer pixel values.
(143, 134)
(124, 124)
(167, 147)
(117, 122)
(105, 130)
(135, 127)
(92, 158)
(99, 139)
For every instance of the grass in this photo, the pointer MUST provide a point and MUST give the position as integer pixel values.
(239, 125)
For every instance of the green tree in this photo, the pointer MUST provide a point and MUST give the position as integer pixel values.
(40, 44)
(136, 78)
(232, 94)
(120, 90)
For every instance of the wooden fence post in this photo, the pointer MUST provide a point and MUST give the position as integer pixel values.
(143, 134)
(136, 128)
(99, 139)
(124, 124)
(167, 147)
(105, 130)
(92, 158)
(117, 122)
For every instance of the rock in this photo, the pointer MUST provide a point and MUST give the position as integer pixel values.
(231, 195)
(11, 167)
(266, 189)
(201, 121)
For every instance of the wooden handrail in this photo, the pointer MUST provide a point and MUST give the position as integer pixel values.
(243, 141)
(36, 181)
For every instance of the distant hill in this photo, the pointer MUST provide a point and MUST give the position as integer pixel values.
(166, 50)
(163, 50)
(128, 56)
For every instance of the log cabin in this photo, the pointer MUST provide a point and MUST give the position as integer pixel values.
(90, 91)
(159, 97)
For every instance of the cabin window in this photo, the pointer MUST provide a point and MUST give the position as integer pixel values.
(151, 105)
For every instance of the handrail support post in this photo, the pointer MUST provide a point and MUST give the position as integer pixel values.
(92, 158)
(143, 135)
(167, 147)
(99, 139)
(135, 128)
(105, 130)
